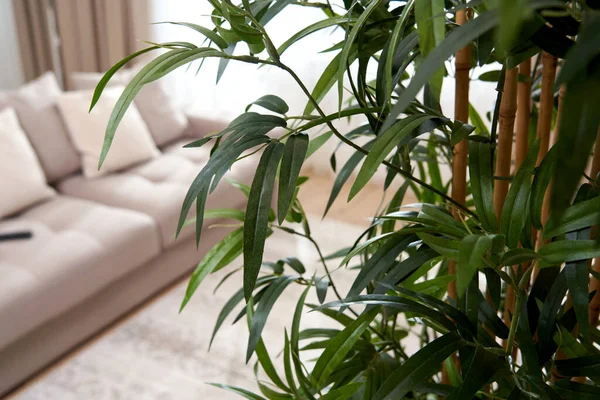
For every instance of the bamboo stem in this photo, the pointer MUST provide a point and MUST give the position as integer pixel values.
(523, 113)
(508, 109)
(460, 151)
(461, 113)
(544, 127)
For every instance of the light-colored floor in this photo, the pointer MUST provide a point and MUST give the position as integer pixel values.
(156, 353)
(315, 193)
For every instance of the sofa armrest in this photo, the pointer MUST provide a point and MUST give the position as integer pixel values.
(198, 127)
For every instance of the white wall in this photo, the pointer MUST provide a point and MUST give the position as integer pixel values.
(243, 83)
(11, 73)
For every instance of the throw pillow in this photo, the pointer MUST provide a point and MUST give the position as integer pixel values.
(23, 181)
(132, 143)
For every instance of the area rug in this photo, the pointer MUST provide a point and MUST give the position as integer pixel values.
(160, 354)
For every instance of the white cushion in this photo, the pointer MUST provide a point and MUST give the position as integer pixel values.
(164, 119)
(132, 143)
(23, 181)
(35, 104)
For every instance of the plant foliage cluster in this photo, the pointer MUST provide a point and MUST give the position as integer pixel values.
(548, 344)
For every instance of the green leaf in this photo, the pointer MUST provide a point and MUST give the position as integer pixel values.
(295, 264)
(212, 36)
(343, 393)
(578, 280)
(470, 258)
(112, 71)
(581, 215)
(518, 256)
(242, 392)
(575, 390)
(383, 146)
(581, 366)
(210, 261)
(271, 103)
(419, 367)
(322, 284)
(380, 262)
(200, 204)
(287, 366)
(456, 40)
(294, 154)
(490, 76)
(257, 214)
(327, 80)
(340, 346)
(431, 27)
(511, 21)
(577, 133)
(263, 309)
(482, 368)
(541, 180)
(295, 335)
(345, 57)
(460, 131)
(445, 247)
(482, 184)
(317, 26)
(233, 302)
(342, 178)
(556, 253)
(480, 127)
(396, 303)
(514, 212)
(317, 142)
(584, 52)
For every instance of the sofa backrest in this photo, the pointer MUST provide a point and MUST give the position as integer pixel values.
(37, 110)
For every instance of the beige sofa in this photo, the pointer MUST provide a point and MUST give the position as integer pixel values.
(100, 247)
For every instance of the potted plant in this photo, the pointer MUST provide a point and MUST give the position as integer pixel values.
(494, 270)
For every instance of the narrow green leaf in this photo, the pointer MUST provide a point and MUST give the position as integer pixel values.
(343, 393)
(514, 213)
(383, 146)
(257, 214)
(431, 27)
(445, 247)
(541, 180)
(518, 256)
(575, 390)
(581, 215)
(342, 177)
(294, 338)
(483, 366)
(317, 143)
(456, 40)
(556, 253)
(345, 58)
(482, 184)
(317, 26)
(211, 35)
(294, 154)
(581, 366)
(242, 392)
(340, 346)
(271, 103)
(322, 284)
(419, 367)
(490, 76)
(233, 302)
(327, 80)
(295, 264)
(200, 204)
(470, 258)
(210, 261)
(263, 309)
(578, 129)
(287, 366)
(380, 262)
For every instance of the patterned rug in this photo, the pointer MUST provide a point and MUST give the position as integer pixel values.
(159, 354)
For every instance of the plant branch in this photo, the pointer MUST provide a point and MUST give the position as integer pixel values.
(361, 149)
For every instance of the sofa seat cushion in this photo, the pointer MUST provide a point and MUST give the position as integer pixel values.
(77, 248)
(158, 187)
